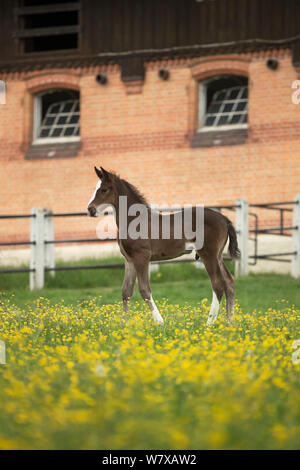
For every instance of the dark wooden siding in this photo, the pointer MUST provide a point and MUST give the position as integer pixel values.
(7, 44)
(110, 27)
(129, 25)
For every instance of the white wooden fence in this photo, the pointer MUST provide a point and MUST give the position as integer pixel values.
(42, 252)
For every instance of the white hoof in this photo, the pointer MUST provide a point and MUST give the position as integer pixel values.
(158, 320)
(155, 312)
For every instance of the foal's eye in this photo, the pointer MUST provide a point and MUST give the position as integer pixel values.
(103, 190)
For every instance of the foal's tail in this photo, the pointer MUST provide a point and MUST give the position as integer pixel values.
(233, 244)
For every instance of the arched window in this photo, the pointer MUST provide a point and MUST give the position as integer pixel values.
(56, 116)
(223, 103)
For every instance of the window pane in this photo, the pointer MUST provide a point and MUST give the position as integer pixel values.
(62, 120)
(57, 132)
(233, 93)
(210, 121)
(49, 121)
(241, 106)
(45, 133)
(69, 131)
(220, 95)
(214, 108)
(74, 119)
(54, 109)
(236, 119)
(227, 106)
(67, 107)
(58, 117)
(223, 121)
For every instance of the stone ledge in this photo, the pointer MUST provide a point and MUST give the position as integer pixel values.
(55, 150)
(219, 138)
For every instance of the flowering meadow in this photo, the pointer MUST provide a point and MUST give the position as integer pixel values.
(78, 377)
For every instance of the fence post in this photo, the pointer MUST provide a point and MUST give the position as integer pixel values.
(153, 268)
(37, 251)
(295, 265)
(199, 264)
(49, 247)
(242, 229)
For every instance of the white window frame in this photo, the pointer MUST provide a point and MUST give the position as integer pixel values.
(37, 113)
(202, 102)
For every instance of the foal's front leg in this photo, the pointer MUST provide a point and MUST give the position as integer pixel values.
(145, 291)
(128, 284)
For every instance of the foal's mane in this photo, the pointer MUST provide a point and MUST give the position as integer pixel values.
(130, 190)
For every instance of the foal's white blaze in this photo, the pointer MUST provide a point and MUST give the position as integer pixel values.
(98, 185)
(214, 309)
(155, 312)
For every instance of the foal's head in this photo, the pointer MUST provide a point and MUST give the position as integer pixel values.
(103, 194)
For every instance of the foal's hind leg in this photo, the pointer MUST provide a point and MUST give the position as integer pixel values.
(128, 284)
(229, 290)
(142, 270)
(218, 286)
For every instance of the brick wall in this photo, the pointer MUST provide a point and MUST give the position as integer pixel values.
(144, 132)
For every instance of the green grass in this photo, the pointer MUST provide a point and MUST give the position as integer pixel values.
(78, 377)
(179, 283)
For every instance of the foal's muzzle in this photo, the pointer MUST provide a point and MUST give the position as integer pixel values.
(92, 211)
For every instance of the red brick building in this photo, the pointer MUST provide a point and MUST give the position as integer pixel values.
(189, 100)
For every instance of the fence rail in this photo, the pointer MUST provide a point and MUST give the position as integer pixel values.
(42, 240)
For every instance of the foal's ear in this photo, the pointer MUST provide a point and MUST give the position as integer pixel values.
(98, 172)
(105, 173)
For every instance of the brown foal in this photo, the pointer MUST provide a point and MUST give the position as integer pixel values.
(139, 252)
